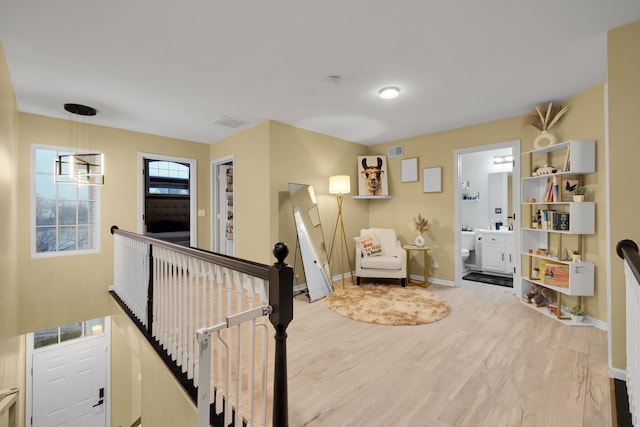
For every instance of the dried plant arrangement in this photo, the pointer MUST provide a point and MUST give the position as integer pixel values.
(420, 225)
(544, 117)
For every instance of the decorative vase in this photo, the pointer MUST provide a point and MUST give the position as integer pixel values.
(419, 241)
(545, 139)
(576, 318)
(578, 197)
(575, 258)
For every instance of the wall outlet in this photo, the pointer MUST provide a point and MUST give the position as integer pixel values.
(201, 212)
(435, 265)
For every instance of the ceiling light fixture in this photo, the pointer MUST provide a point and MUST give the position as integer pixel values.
(497, 160)
(389, 92)
(80, 166)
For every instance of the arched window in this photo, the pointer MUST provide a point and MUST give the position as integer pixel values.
(165, 177)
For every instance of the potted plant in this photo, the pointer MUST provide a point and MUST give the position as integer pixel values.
(579, 193)
(575, 256)
(577, 315)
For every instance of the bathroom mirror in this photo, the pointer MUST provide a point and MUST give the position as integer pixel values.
(499, 188)
(311, 240)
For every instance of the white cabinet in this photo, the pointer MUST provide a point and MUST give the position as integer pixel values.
(496, 251)
(508, 248)
(556, 223)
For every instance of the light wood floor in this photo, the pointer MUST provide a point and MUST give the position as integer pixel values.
(492, 362)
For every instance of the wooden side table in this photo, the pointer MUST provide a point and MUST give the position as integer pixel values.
(424, 250)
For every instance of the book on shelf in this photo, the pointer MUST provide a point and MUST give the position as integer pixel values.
(554, 274)
(566, 167)
(548, 219)
(548, 192)
(555, 195)
(562, 221)
(551, 191)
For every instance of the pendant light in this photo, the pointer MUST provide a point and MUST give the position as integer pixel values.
(81, 166)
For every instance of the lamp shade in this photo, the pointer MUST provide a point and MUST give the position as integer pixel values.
(340, 184)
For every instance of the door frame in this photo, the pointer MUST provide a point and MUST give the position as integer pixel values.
(515, 201)
(29, 364)
(193, 195)
(215, 202)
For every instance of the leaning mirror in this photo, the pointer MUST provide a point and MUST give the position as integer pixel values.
(311, 241)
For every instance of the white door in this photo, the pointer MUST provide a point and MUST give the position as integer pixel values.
(223, 230)
(69, 384)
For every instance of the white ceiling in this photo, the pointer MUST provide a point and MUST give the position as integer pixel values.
(170, 68)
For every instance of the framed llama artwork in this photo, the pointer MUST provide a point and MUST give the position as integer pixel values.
(372, 176)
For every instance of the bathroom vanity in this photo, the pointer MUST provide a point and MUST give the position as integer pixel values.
(497, 250)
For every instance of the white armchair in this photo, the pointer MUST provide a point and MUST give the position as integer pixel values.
(379, 254)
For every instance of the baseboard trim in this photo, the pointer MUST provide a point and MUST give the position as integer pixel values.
(619, 374)
(431, 280)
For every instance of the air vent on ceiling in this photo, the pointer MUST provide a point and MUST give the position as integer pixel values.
(395, 151)
(231, 122)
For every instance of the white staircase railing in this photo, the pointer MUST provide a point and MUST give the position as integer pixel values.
(9, 406)
(203, 310)
(628, 251)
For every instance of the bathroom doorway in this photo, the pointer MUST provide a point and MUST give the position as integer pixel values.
(487, 208)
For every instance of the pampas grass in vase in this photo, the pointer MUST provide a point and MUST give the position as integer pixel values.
(543, 118)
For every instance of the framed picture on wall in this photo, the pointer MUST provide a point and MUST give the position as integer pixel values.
(372, 176)
(410, 170)
(432, 180)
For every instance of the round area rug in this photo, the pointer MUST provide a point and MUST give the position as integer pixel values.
(388, 304)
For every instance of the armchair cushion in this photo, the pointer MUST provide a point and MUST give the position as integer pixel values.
(369, 245)
(384, 262)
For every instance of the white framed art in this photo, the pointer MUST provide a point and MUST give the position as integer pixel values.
(410, 169)
(432, 180)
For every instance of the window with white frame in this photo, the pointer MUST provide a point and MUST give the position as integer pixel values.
(169, 178)
(65, 217)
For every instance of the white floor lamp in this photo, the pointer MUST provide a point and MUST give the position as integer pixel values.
(339, 185)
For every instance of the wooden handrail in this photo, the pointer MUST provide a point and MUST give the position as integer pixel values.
(252, 268)
(628, 251)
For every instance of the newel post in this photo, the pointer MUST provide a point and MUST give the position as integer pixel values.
(281, 301)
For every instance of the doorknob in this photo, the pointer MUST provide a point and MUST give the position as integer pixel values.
(100, 396)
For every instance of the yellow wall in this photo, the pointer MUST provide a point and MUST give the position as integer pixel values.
(250, 149)
(304, 157)
(157, 396)
(585, 120)
(408, 199)
(12, 365)
(60, 290)
(623, 76)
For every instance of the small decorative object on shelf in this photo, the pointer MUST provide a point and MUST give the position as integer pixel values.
(543, 118)
(545, 170)
(577, 315)
(575, 256)
(579, 192)
(420, 225)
